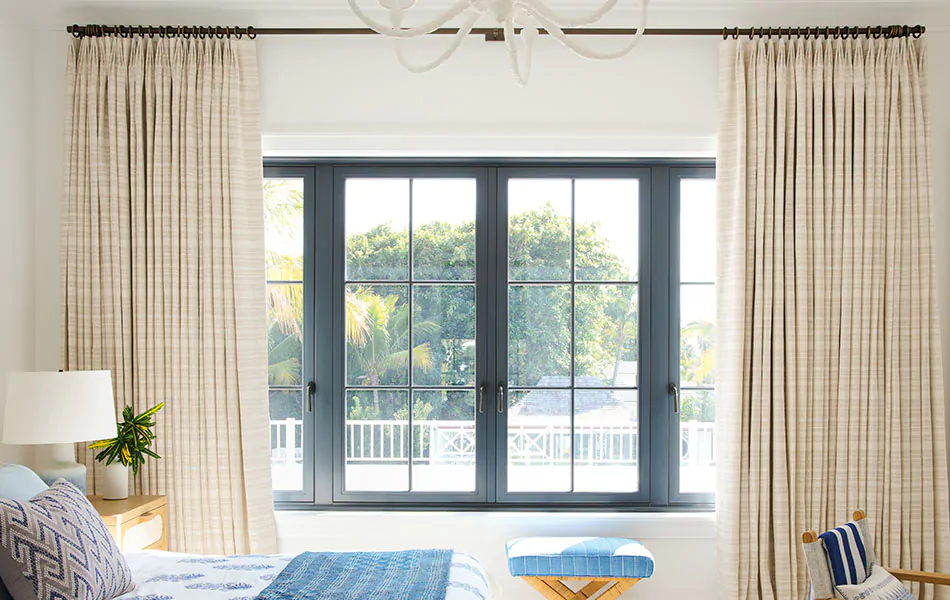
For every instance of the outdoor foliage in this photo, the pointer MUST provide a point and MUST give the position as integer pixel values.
(440, 351)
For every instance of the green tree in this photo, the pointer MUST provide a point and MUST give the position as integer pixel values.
(383, 357)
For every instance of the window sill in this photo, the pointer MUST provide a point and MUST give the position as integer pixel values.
(645, 525)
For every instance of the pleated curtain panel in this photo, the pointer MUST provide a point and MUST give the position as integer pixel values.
(163, 270)
(830, 383)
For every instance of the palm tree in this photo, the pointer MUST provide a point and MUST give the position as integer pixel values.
(702, 336)
(623, 311)
(379, 353)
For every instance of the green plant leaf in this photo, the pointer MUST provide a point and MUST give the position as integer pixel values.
(133, 437)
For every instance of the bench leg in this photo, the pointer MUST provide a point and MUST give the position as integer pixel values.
(618, 588)
(548, 589)
(552, 589)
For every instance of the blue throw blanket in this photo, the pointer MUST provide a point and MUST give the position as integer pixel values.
(408, 575)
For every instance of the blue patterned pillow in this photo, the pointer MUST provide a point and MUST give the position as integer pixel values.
(847, 554)
(56, 547)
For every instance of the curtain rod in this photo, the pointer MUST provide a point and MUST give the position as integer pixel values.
(492, 34)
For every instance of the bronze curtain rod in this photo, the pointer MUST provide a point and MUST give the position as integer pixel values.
(492, 34)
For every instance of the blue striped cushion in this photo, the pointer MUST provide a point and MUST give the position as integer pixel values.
(579, 557)
(847, 554)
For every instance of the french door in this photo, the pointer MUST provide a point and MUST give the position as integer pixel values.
(493, 335)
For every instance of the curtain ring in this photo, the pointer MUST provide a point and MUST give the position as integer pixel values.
(735, 35)
(917, 32)
(751, 32)
(76, 31)
(218, 33)
(251, 34)
(724, 36)
(237, 33)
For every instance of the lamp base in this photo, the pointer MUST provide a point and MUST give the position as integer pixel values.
(59, 462)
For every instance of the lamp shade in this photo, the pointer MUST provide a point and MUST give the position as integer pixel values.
(56, 407)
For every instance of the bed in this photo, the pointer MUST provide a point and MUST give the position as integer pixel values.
(173, 576)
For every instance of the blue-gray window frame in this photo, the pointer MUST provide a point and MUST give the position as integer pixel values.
(324, 352)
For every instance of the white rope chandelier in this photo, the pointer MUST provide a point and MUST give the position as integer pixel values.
(528, 15)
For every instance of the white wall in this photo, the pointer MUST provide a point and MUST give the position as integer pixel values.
(677, 541)
(16, 207)
(349, 96)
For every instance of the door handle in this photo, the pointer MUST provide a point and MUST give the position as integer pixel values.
(311, 388)
(481, 398)
(676, 397)
(501, 397)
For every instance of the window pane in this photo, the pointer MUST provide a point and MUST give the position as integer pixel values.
(539, 335)
(697, 335)
(443, 221)
(443, 453)
(377, 229)
(606, 351)
(377, 440)
(539, 441)
(698, 230)
(286, 439)
(697, 323)
(443, 335)
(606, 229)
(606, 438)
(284, 241)
(697, 441)
(283, 228)
(377, 335)
(539, 229)
(284, 333)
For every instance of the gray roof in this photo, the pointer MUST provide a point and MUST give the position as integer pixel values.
(555, 402)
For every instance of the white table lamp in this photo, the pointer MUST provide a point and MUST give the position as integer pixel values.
(59, 408)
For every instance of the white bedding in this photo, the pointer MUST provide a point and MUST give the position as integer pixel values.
(172, 576)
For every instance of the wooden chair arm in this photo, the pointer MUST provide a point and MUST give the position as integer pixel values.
(921, 576)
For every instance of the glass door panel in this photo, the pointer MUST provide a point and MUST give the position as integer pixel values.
(696, 340)
(284, 248)
(410, 328)
(572, 423)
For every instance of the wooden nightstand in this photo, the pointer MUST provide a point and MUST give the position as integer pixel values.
(136, 523)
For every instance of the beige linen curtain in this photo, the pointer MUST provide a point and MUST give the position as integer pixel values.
(163, 270)
(830, 384)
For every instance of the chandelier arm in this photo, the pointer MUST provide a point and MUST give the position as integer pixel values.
(410, 32)
(579, 49)
(538, 7)
(512, 45)
(464, 30)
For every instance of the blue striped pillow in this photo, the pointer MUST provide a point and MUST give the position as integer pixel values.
(847, 554)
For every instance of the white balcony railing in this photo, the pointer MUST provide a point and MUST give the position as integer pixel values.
(453, 443)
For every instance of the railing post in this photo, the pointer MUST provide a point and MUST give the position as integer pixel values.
(290, 432)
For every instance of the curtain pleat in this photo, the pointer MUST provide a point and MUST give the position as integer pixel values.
(830, 381)
(163, 270)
